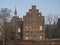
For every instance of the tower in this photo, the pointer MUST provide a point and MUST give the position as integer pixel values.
(17, 26)
(15, 12)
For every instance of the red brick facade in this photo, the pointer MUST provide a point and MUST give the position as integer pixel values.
(33, 25)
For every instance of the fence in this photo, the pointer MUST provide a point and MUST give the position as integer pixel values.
(31, 42)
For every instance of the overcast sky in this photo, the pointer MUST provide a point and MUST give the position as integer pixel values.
(23, 6)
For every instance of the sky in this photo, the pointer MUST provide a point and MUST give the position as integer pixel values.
(46, 7)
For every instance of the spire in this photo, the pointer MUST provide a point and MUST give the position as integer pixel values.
(15, 12)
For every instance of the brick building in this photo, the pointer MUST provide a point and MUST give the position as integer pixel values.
(17, 25)
(33, 25)
(58, 29)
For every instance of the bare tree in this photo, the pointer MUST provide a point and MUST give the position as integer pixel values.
(55, 19)
(5, 15)
(52, 21)
(49, 19)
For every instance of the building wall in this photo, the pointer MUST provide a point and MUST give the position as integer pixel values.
(58, 29)
(31, 42)
(33, 25)
(17, 28)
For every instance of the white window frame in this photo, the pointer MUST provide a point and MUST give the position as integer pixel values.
(26, 37)
(19, 30)
(41, 28)
(26, 27)
(41, 37)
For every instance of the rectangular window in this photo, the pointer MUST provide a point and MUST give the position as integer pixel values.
(30, 37)
(26, 37)
(26, 27)
(40, 27)
(40, 37)
(19, 30)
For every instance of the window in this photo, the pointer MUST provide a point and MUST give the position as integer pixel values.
(30, 37)
(26, 27)
(40, 27)
(40, 37)
(42, 19)
(19, 30)
(19, 22)
(26, 37)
